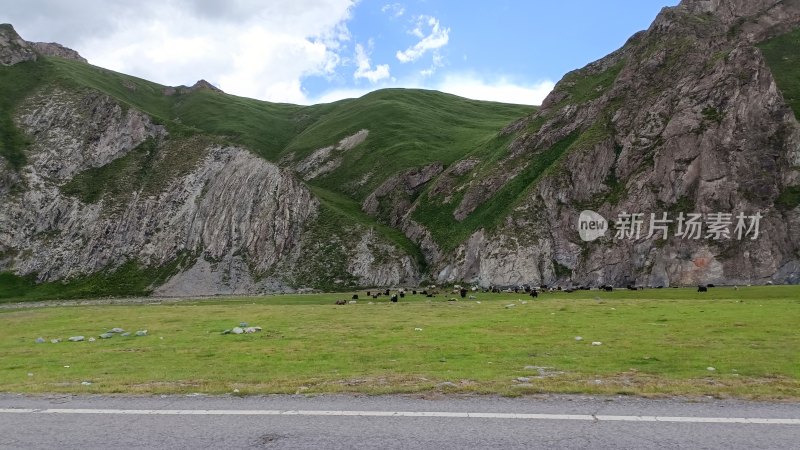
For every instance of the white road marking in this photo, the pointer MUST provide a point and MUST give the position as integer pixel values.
(465, 415)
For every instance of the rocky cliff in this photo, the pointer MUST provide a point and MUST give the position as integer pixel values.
(105, 188)
(685, 118)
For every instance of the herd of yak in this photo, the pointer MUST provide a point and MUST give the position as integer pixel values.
(462, 291)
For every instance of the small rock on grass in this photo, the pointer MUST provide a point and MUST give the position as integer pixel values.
(523, 380)
(106, 336)
(141, 333)
(125, 334)
(116, 330)
(710, 369)
(40, 340)
(237, 330)
(76, 338)
(55, 341)
(86, 383)
(91, 339)
(578, 338)
(597, 343)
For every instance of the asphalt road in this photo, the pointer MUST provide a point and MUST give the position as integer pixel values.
(389, 422)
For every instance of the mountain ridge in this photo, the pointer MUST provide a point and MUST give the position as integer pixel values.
(694, 114)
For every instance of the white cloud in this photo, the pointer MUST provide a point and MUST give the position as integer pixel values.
(250, 48)
(364, 68)
(395, 10)
(499, 89)
(437, 38)
(438, 61)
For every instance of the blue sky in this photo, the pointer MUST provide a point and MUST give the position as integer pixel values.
(523, 42)
(309, 51)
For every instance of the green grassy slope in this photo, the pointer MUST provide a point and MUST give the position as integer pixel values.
(783, 57)
(17, 82)
(408, 128)
(411, 126)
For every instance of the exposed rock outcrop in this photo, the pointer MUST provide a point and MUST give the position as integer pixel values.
(14, 49)
(327, 159)
(54, 49)
(200, 85)
(203, 84)
(686, 118)
(391, 201)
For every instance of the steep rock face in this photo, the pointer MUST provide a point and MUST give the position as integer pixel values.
(14, 49)
(54, 49)
(377, 264)
(227, 203)
(74, 132)
(686, 118)
(233, 219)
(391, 201)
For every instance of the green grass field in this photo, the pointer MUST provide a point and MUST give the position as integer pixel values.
(654, 342)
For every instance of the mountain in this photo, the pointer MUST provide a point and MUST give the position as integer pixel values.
(697, 114)
(113, 185)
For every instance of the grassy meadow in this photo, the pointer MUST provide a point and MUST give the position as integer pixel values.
(654, 342)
